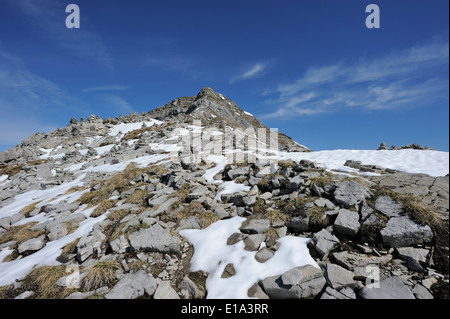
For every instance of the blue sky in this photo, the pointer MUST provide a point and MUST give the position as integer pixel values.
(312, 69)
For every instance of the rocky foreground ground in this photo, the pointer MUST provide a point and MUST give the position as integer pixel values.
(118, 230)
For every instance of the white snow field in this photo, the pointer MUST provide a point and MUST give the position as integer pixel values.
(433, 163)
(211, 253)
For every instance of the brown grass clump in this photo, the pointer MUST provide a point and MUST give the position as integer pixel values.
(43, 280)
(322, 180)
(134, 134)
(293, 206)
(139, 197)
(29, 208)
(196, 209)
(10, 170)
(103, 207)
(70, 248)
(99, 275)
(38, 162)
(182, 192)
(317, 217)
(20, 233)
(274, 214)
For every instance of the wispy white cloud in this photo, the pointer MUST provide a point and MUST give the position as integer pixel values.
(399, 79)
(254, 71)
(106, 88)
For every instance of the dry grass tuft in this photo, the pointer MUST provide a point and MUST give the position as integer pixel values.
(10, 170)
(29, 208)
(139, 197)
(103, 207)
(99, 275)
(20, 233)
(43, 280)
(135, 133)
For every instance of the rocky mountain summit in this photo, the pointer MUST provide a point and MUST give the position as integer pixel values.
(160, 206)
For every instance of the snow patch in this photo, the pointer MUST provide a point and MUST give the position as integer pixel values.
(212, 254)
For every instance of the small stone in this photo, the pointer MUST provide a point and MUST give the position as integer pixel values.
(389, 288)
(165, 291)
(264, 254)
(347, 222)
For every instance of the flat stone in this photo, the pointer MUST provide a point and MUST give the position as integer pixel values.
(419, 254)
(350, 193)
(389, 288)
(420, 292)
(32, 244)
(291, 277)
(119, 245)
(155, 238)
(324, 242)
(255, 226)
(330, 293)
(264, 254)
(403, 231)
(133, 285)
(388, 207)
(350, 260)
(324, 202)
(165, 291)
(347, 222)
(309, 285)
(252, 242)
(339, 277)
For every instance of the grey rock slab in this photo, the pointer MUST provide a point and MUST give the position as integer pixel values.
(350, 193)
(241, 171)
(133, 285)
(119, 245)
(192, 288)
(347, 222)
(291, 277)
(388, 207)
(339, 277)
(403, 231)
(330, 293)
(389, 288)
(164, 207)
(350, 260)
(255, 226)
(420, 292)
(324, 202)
(309, 285)
(32, 244)
(419, 254)
(252, 242)
(155, 238)
(5, 222)
(324, 242)
(264, 254)
(165, 291)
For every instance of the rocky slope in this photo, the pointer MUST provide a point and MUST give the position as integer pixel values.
(111, 209)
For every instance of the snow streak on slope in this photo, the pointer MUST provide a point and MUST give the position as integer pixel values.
(433, 163)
